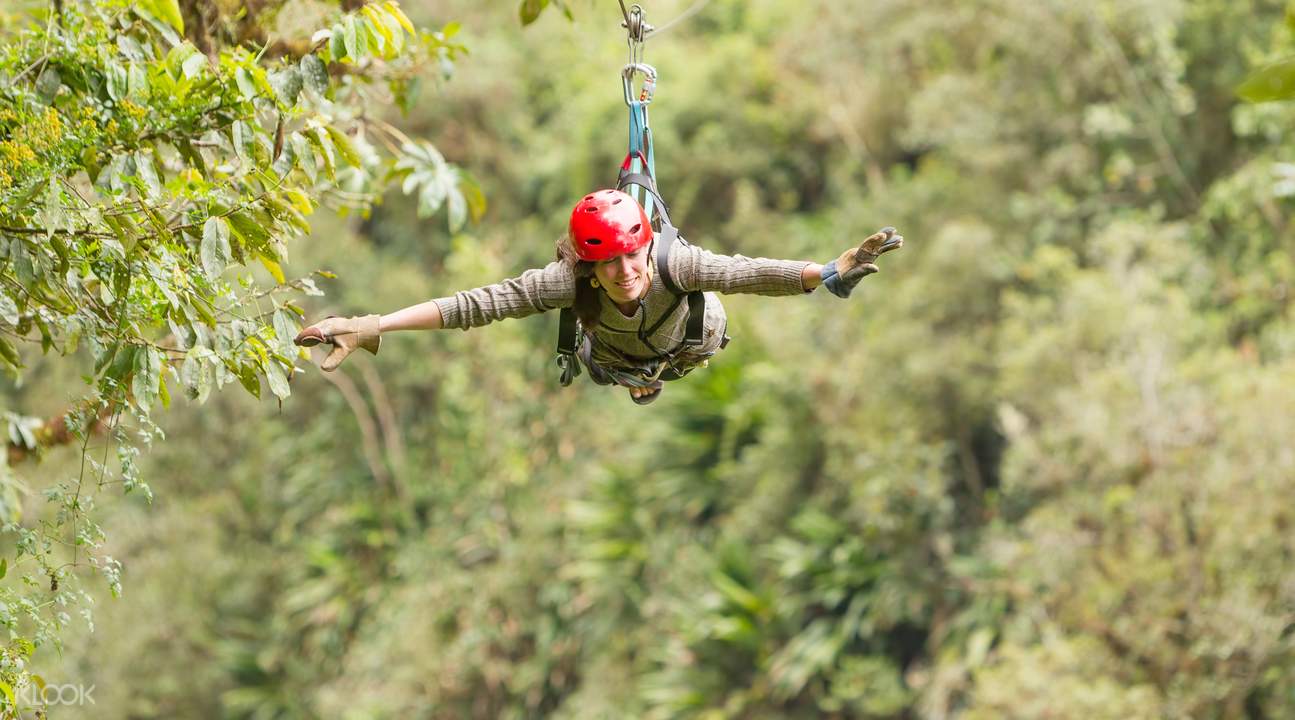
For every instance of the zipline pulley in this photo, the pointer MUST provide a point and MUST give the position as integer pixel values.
(634, 23)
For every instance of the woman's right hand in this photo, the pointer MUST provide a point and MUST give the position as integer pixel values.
(345, 335)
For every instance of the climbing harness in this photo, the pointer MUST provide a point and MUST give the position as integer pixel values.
(637, 177)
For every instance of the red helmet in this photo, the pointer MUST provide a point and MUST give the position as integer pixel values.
(607, 223)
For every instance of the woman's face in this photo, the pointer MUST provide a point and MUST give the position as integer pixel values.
(624, 277)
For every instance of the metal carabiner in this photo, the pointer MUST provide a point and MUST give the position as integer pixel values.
(649, 82)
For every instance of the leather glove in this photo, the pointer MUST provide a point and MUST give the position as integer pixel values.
(842, 274)
(344, 334)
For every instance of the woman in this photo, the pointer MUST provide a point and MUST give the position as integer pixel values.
(608, 272)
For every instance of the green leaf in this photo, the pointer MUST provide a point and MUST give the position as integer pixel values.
(148, 173)
(158, 222)
(4, 567)
(278, 381)
(397, 31)
(378, 25)
(214, 254)
(162, 393)
(52, 214)
(530, 10)
(457, 210)
(203, 388)
(137, 81)
(167, 11)
(336, 43)
(314, 73)
(262, 80)
(107, 355)
(90, 159)
(281, 209)
(176, 58)
(152, 17)
(250, 381)
(131, 48)
(273, 267)
(343, 146)
(118, 81)
(351, 37)
(148, 373)
(9, 354)
(8, 309)
(253, 226)
(200, 311)
(242, 139)
(194, 65)
(1275, 82)
(394, 8)
(246, 85)
(305, 156)
(192, 156)
(285, 329)
(23, 266)
(319, 138)
(473, 195)
(287, 85)
(300, 201)
(737, 594)
(7, 689)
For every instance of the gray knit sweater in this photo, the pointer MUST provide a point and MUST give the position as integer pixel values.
(615, 340)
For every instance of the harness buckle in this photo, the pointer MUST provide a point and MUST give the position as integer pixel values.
(570, 369)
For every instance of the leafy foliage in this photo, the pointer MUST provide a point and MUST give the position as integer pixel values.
(144, 186)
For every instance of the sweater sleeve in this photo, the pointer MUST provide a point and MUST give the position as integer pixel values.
(696, 269)
(534, 291)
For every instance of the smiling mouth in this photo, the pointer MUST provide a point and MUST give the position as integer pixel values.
(627, 285)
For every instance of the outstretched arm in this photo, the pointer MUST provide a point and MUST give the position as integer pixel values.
(696, 269)
(423, 316)
(534, 291)
(348, 334)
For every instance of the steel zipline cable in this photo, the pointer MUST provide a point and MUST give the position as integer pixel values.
(640, 31)
(696, 8)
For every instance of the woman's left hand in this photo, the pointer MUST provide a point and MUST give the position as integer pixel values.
(842, 274)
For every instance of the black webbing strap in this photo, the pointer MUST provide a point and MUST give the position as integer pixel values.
(568, 332)
(696, 299)
(644, 181)
(665, 240)
(696, 318)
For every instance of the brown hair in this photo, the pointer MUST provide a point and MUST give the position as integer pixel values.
(588, 304)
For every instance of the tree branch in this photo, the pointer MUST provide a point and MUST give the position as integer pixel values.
(53, 433)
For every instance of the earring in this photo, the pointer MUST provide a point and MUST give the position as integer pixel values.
(593, 282)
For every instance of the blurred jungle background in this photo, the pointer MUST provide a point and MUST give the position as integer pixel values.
(1040, 466)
